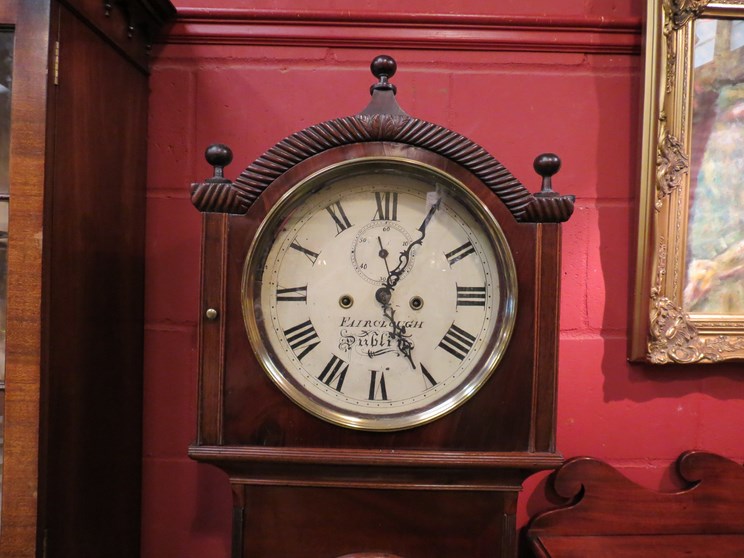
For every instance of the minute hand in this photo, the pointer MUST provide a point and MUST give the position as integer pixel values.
(405, 255)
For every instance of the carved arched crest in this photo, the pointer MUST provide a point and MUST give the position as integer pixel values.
(383, 120)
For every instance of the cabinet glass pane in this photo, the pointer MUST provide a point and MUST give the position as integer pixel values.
(6, 65)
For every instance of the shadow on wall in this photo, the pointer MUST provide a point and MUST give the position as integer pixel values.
(637, 416)
(617, 229)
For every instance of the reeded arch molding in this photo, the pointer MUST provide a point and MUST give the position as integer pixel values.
(219, 195)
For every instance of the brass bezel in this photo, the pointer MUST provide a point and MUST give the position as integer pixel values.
(476, 377)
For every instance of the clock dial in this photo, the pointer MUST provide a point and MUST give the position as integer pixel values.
(379, 294)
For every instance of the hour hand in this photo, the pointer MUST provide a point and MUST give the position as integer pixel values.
(405, 345)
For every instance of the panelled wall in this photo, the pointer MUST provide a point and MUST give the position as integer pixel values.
(519, 78)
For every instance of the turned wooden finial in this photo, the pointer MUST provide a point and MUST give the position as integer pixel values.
(219, 156)
(546, 165)
(383, 67)
(383, 92)
(548, 206)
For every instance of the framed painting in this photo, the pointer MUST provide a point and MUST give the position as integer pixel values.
(689, 290)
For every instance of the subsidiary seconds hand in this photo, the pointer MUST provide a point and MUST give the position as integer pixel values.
(383, 254)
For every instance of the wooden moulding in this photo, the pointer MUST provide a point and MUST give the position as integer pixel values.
(452, 32)
(403, 469)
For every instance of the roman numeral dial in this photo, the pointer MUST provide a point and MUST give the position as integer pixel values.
(377, 297)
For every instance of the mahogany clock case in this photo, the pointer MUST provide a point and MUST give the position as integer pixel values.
(303, 486)
(512, 412)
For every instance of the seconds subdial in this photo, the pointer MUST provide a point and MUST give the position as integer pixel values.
(376, 251)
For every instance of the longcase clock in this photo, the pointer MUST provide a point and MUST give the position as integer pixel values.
(378, 342)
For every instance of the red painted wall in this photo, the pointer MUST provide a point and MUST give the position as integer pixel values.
(519, 78)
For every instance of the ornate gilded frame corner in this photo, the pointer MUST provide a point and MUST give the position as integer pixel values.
(663, 329)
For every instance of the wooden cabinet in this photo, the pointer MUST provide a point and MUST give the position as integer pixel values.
(73, 388)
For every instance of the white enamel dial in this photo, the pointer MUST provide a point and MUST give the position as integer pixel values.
(379, 294)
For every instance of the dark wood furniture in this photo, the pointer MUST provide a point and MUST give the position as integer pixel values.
(305, 487)
(610, 516)
(71, 478)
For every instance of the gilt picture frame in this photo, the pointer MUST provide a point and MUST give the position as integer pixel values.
(688, 304)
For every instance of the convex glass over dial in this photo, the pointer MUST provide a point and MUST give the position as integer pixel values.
(379, 293)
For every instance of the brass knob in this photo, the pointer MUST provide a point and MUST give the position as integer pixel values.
(211, 314)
